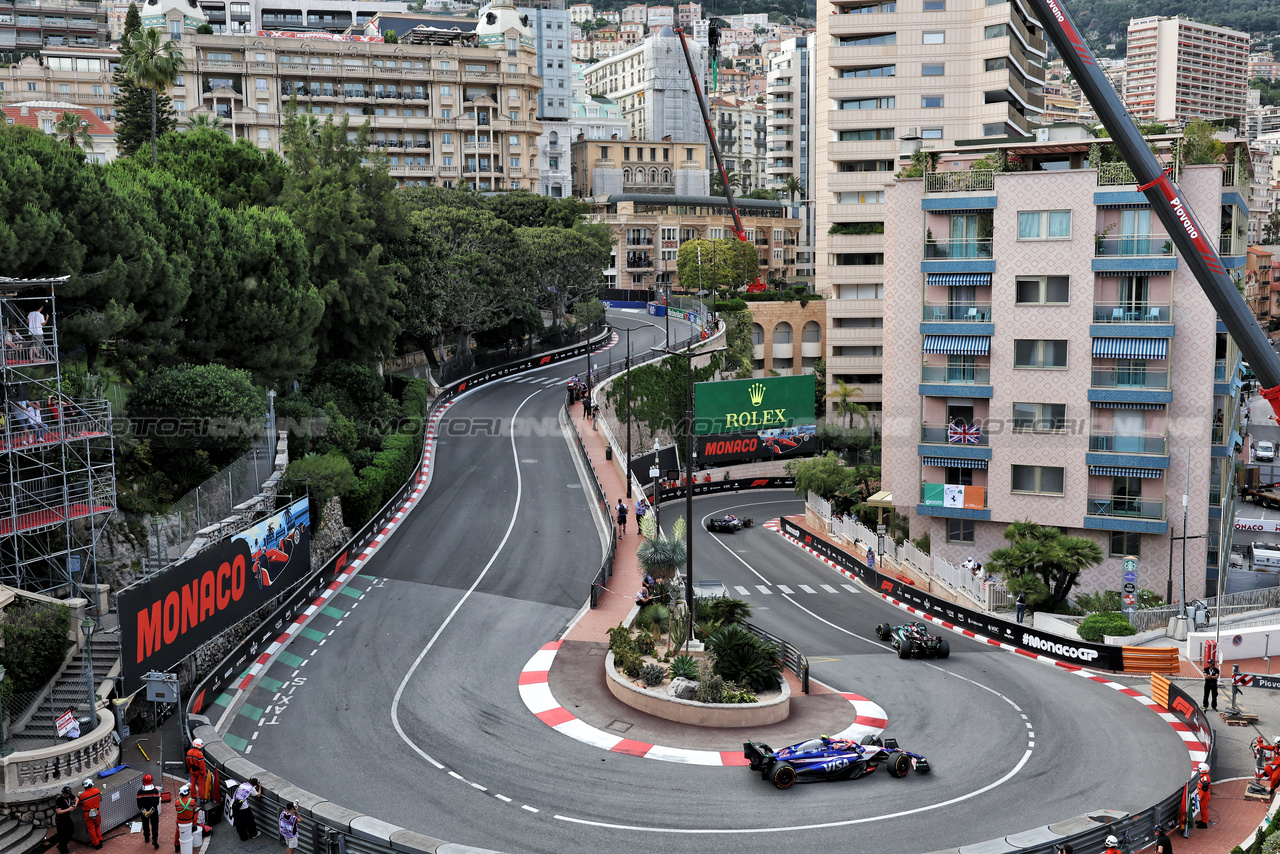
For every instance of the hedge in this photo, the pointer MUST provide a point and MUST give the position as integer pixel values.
(393, 465)
(1094, 626)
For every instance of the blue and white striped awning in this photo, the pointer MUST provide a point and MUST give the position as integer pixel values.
(948, 462)
(958, 345)
(1131, 348)
(1124, 471)
(1117, 404)
(947, 280)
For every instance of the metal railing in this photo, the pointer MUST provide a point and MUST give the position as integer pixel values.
(958, 249)
(1232, 604)
(1130, 312)
(1132, 246)
(1132, 506)
(942, 434)
(1130, 443)
(959, 182)
(792, 658)
(966, 375)
(1115, 175)
(973, 312)
(1149, 378)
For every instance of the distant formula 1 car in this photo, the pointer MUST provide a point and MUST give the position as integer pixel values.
(913, 641)
(727, 524)
(826, 758)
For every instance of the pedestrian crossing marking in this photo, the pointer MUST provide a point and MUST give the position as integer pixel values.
(785, 589)
(742, 591)
(850, 588)
(828, 588)
(765, 590)
(807, 589)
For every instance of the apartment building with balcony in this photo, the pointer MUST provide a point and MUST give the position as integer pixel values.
(248, 17)
(446, 107)
(580, 13)
(78, 75)
(28, 27)
(786, 338)
(1048, 356)
(741, 132)
(892, 76)
(650, 228)
(790, 140)
(607, 167)
(1177, 69)
(651, 83)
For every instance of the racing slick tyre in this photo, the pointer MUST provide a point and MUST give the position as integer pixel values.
(899, 765)
(748, 522)
(882, 631)
(710, 525)
(784, 775)
(944, 649)
(872, 741)
(904, 649)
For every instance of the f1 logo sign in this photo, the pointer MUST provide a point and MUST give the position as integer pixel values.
(462, 387)
(761, 482)
(1181, 705)
(808, 539)
(546, 360)
(886, 585)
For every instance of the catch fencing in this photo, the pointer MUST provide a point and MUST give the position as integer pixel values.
(1146, 619)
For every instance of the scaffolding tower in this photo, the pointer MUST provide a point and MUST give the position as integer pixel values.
(57, 467)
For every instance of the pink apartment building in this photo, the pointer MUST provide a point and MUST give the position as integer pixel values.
(1047, 356)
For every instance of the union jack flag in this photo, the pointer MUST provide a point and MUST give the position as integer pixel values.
(963, 434)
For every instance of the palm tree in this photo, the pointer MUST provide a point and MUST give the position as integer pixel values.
(151, 65)
(717, 183)
(1043, 562)
(844, 395)
(75, 130)
(204, 120)
(793, 185)
(661, 554)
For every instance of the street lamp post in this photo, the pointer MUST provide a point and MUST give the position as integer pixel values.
(688, 356)
(627, 365)
(654, 471)
(88, 626)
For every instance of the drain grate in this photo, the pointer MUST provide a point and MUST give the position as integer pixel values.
(619, 726)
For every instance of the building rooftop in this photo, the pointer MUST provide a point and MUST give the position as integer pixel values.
(713, 201)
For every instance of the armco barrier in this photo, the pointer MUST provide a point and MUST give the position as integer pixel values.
(328, 828)
(1023, 637)
(736, 485)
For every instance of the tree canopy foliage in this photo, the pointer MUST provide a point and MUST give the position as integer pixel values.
(726, 263)
(1043, 562)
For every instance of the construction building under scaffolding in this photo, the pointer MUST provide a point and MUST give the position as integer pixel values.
(57, 472)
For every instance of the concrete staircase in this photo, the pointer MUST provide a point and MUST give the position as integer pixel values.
(18, 837)
(69, 692)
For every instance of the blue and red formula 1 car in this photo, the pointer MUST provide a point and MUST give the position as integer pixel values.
(826, 758)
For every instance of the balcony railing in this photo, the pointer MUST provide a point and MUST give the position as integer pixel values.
(1125, 505)
(1115, 175)
(936, 249)
(958, 312)
(1141, 378)
(1129, 443)
(946, 434)
(1228, 245)
(1132, 245)
(1220, 371)
(959, 182)
(1128, 312)
(960, 375)
(639, 241)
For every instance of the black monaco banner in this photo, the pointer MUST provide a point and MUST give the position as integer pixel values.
(762, 445)
(1048, 644)
(165, 618)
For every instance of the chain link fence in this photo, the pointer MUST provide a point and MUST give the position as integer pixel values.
(212, 501)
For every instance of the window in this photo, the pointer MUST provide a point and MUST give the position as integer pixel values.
(870, 71)
(864, 166)
(446, 160)
(264, 135)
(1125, 543)
(866, 197)
(1039, 417)
(932, 69)
(931, 133)
(860, 351)
(867, 103)
(1044, 225)
(859, 323)
(1042, 479)
(446, 139)
(261, 84)
(935, 36)
(867, 41)
(513, 140)
(1032, 353)
(446, 90)
(446, 114)
(515, 162)
(996, 64)
(31, 87)
(865, 135)
(935, 5)
(959, 530)
(995, 31)
(930, 101)
(860, 291)
(180, 106)
(995, 129)
(1042, 290)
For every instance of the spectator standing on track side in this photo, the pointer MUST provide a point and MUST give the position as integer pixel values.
(1164, 845)
(242, 811)
(641, 509)
(622, 516)
(289, 826)
(871, 559)
(149, 807)
(1211, 673)
(1021, 604)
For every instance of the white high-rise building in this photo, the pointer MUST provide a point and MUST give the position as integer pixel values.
(651, 83)
(1178, 69)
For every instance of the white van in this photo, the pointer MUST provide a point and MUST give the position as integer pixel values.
(1264, 557)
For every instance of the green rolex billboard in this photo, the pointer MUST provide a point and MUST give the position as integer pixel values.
(735, 406)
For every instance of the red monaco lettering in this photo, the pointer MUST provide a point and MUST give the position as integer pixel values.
(237, 577)
(224, 595)
(190, 605)
(207, 599)
(172, 616)
(149, 626)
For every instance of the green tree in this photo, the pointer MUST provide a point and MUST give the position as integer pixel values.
(717, 180)
(762, 193)
(738, 339)
(565, 265)
(152, 65)
(845, 397)
(234, 173)
(348, 213)
(726, 263)
(75, 131)
(391, 37)
(1200, 143)
(204, 120)
(209, 408)
(204, 30)
(1271, 228)
(1043, 562)
(794, 187)
(659, 394)
(132, 103)
(661, 554)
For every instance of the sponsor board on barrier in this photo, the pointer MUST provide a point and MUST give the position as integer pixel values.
(166, 617)
(1185, 708)
(500, 371)
(233, 666)
(1044, 643)
(1265, 526)
(728, 486)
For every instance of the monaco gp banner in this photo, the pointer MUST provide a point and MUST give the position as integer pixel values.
(166, 617)
(799, 441)
(1265, 526)
(767, 403)
(1045, 643)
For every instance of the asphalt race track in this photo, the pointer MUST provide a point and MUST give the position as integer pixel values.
(400, 699)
